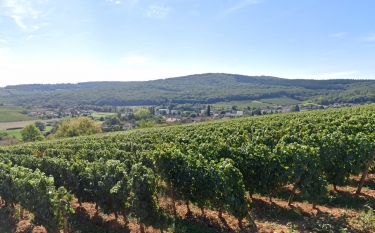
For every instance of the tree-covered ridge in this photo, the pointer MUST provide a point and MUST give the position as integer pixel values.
(202, 88)
(58, 87)
(331, 84)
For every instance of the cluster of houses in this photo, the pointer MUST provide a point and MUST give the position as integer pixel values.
(219, 113)
(58, 113)
(167, 112)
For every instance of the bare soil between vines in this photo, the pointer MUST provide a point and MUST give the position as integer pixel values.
(341, 209)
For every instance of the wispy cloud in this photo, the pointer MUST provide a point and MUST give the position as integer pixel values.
(241, 4)
(117, 2)
(338, 35)
(332, 75)
(158, 12)
(36, 36)
(369, 38)
(126, 2)
(24, 14)
(4, 41)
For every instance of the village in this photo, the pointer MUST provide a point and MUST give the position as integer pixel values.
(178, 114)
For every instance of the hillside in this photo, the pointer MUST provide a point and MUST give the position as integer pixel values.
(294, 172)
(202, 88)
(13, 113)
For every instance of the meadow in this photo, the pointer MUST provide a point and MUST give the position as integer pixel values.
(255, 104)
(12, 114)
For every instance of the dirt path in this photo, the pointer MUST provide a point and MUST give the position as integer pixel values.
(17, 124)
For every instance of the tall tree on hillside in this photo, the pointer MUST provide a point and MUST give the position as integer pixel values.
(208, 110)
(31, 133)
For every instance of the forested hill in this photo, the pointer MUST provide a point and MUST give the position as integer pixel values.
(202, 88)
(29, 88)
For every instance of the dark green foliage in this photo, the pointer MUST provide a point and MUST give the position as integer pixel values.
(4, 136)
(144, 205)
(35, 192)
(203, 88)
(295, 108)
(31, 133)
(208, 164)
(112, 120)
(40, 125)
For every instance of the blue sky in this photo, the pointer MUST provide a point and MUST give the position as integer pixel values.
(55, 41)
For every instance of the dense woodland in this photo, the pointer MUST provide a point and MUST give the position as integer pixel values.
(202, 88)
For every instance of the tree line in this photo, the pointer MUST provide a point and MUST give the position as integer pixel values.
(204, 88)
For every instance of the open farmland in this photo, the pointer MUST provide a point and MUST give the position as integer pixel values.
(13, 133)
(240, 104)
(13, 113)
(256, 104)
(19, 124)
(291, 172)
(280, 101)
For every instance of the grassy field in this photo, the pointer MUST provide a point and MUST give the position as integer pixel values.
(19, 124)
(17, 132)
(12, 113)
(263, 102)
(13, 133)
(281, 101)
(48, 128)
(240, 104)
(102, 114)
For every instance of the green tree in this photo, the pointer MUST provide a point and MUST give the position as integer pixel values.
(142, 113)
(40, 125)
(257, 112)
(208, 110)
(31, 133)
(295, 108)
(145, 124)
(4, 136)
(113, 120)
(77, 127)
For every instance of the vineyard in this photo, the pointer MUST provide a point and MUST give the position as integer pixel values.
(213, 166)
